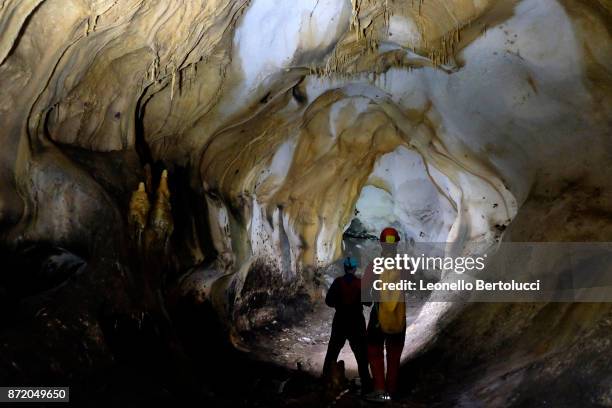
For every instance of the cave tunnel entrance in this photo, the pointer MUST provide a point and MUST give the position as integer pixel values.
(399, 192)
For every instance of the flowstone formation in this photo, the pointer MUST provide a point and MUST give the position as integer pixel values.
(265, 129)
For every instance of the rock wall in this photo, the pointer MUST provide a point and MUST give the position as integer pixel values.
(279, 122)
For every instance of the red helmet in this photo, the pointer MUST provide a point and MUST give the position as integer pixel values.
(389, 235)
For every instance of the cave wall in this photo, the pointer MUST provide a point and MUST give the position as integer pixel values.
(276, 117)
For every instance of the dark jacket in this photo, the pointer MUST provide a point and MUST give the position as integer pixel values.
(345, 294)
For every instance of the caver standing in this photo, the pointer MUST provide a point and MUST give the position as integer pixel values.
(349, 324)
(387, 325)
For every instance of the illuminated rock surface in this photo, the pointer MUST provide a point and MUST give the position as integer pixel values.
(279, 124)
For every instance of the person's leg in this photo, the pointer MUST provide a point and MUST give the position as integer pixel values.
(359, 344)
(395, 345)
(336, 342)
(376, 357)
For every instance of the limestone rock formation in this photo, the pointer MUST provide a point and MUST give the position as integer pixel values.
(466, 122)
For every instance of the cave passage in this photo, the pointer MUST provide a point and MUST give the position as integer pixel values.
(181, 181)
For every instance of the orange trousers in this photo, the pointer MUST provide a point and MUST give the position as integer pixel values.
(394, 344)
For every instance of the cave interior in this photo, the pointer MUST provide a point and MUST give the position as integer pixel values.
(180, 181)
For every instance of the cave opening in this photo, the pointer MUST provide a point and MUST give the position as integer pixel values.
(180, 183)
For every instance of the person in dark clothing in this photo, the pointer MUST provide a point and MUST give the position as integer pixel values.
(349, 324)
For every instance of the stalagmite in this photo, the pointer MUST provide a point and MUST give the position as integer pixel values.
(161, 223)
(291, 133)
(139, 213)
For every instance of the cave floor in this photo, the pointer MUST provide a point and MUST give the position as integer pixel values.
(268, 375)
(304, 344)
(299, 350)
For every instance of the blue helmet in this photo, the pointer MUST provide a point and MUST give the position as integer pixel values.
(350, 263)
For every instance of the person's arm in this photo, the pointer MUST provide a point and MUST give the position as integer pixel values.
(331, 299)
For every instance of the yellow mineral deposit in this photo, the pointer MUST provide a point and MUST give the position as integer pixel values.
(139, 213)
(162, 223)
(280, 121)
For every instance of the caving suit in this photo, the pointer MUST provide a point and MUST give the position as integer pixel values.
(348, 324)
(378, 339)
